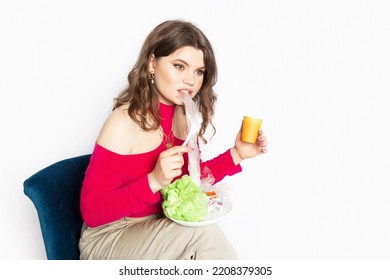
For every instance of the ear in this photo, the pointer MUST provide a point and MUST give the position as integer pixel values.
(152, 63)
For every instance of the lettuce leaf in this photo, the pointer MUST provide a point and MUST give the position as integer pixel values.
(184, 200)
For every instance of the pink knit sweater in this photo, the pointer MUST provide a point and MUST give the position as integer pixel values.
(116, 186)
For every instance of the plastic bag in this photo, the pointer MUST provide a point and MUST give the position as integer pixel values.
(205, 179)
(194, 121)
(193, 196)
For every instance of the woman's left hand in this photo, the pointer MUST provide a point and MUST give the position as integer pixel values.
(243, 150)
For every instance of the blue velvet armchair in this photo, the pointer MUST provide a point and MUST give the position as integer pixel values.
(55, 193)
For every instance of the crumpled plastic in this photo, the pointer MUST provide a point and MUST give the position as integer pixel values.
(194, 121)
(185, 198)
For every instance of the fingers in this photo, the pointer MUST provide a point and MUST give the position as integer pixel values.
(262, 142)
(169, 164)
(262, 138)
(177, 150)
(172, 162)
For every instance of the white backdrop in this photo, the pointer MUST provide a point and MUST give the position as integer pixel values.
(317, 73)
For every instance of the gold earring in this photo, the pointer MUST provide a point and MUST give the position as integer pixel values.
(151, 77)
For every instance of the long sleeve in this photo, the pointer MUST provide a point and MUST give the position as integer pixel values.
(116, 186)
(221, 166)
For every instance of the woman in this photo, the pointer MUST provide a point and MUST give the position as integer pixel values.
(138, 152)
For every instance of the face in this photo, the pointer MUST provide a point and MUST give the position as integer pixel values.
(179, 73)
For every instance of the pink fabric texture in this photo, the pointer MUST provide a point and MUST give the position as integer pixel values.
(116, 186)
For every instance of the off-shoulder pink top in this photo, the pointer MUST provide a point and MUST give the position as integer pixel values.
(116, 186)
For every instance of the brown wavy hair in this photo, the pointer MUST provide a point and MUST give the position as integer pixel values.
(141, 94)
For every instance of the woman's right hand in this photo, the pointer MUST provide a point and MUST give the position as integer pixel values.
(168, 166)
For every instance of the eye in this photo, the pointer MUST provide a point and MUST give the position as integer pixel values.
(179, 66)
(199, 72)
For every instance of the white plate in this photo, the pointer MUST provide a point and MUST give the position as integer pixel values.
(211, 218)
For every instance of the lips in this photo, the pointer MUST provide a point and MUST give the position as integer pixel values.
(185, 91)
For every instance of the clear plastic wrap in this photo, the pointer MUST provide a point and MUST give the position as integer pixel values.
(194, 197)
(216, 193)
(194, 121)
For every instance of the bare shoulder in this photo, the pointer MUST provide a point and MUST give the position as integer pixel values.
(118, 132)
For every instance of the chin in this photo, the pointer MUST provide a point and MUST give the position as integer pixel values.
(178, 101)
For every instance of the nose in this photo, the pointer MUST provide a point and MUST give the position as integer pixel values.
(189, 79)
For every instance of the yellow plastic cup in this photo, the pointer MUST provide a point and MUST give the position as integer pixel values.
(250, 129)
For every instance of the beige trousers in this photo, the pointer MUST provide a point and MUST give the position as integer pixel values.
(153, 238)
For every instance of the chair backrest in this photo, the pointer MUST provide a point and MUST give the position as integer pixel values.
(55, 192)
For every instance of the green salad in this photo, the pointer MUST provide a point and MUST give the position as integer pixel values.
(184, 200)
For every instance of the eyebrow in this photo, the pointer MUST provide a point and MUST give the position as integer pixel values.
(185, 63)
